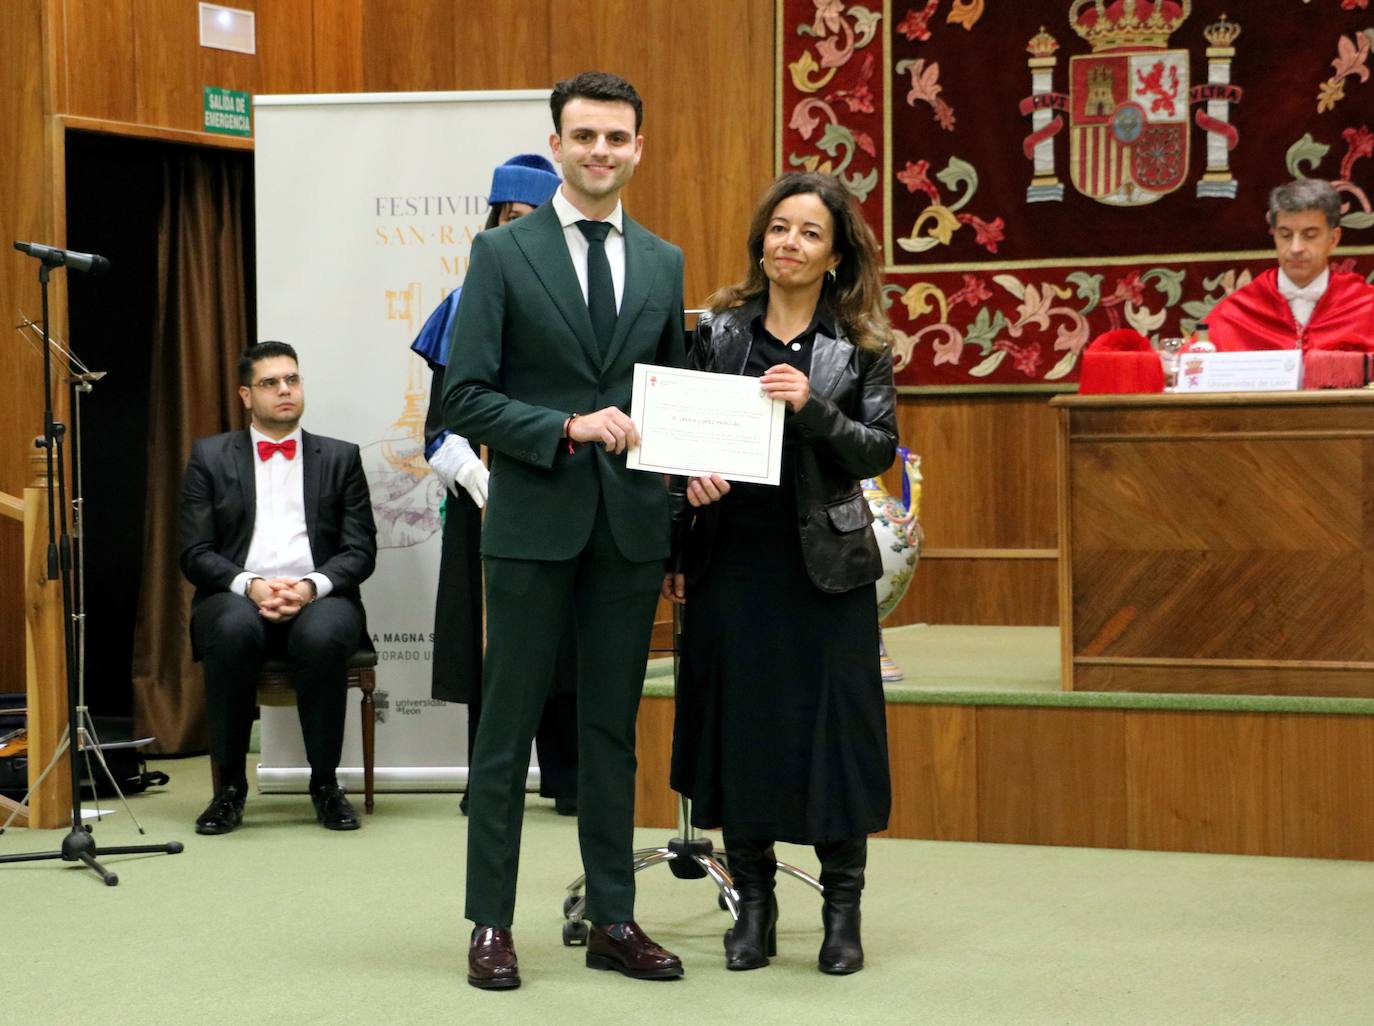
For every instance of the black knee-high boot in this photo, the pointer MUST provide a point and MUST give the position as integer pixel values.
(753, 938)
(842, 877)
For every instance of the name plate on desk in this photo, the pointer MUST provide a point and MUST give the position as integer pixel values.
(1269, 370)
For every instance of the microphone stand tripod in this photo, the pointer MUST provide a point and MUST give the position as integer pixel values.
(81, 379)
(79, 845)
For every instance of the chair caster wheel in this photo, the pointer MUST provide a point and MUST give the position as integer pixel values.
(568, 903)
(575, 933)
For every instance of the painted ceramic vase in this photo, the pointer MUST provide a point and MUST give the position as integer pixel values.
(897, 526)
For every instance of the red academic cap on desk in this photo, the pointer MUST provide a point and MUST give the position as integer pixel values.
(1342, 364)
(1120, 361)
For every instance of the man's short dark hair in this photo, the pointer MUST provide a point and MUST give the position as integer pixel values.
(594, 85)
(261, 351)
(1306, 194)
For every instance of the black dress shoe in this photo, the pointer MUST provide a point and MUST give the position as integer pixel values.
(565, 806)
(333, 810)
(627, 949)
(224, 812)
(492, 964)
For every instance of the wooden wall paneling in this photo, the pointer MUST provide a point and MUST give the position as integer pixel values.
(1233, 677)
(97, 77)
(989, 468)
(1004, 592)
(12, 674)
(1136, 495)
(337, 34)
(53, 54)
(286, 46)
(408, 45)
(656, 804)
(511, 52)
(933, 755)
(603, 35)
(45, 662)
(230, 70)
(1220, 605)
(1239, 783)
(1156, 539)
(989, 494)
(1204, 782)
(27, 215)
(705, 72)
(1064, 521)
(166, 54)
(1326, 767)
(1316, 413)
(711, 157)
(1052, 776)
(1186, 506)
(1365, 607)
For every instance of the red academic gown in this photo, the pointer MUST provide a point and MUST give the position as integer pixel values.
(1258, 317)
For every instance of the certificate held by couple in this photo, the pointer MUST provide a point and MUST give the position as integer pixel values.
(693, 423)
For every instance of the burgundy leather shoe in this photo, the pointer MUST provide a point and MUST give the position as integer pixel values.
(491, 959)
(627, 949)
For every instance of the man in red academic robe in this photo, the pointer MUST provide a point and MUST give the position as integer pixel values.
(1302, 303)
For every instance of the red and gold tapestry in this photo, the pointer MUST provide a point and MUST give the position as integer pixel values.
(1041, 171)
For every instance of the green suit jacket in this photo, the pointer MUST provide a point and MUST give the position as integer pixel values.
(522, 359)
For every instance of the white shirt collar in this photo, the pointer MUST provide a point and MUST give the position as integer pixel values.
(569, 215)
(1313, 290)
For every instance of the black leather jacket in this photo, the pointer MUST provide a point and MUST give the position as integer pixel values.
(846, 431)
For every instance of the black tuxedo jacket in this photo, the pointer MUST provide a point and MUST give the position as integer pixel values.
(219, 503)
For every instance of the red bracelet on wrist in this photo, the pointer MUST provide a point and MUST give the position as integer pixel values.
(567, 433)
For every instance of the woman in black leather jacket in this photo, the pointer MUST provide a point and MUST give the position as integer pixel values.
(780, 732)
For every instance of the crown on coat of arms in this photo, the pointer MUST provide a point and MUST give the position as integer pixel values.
(1042, 44)
(1133, 24)
(1221, 33)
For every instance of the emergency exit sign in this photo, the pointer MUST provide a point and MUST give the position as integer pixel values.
(228, 112)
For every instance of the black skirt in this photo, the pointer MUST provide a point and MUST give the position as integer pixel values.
(780, 730)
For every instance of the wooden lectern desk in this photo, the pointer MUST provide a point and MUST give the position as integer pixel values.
(1217, 543)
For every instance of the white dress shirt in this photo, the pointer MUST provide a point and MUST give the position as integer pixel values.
(1302, 301)
(280, 545)
(568, 216)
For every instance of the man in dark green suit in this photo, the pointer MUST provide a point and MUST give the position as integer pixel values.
(557, 308)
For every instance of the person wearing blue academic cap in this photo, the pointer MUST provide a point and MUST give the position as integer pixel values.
(517, 187)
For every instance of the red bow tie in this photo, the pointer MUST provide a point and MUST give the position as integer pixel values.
(286, 448)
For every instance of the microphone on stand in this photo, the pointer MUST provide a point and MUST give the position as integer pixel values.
(54, 257)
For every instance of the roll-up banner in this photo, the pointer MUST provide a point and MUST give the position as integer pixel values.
(366, 206)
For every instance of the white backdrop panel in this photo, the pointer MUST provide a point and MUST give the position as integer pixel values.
(366, 205)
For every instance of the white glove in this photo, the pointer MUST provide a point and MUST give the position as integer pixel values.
(450, 458)
(473, 477)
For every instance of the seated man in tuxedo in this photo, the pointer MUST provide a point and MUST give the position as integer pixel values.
(276, 533)
(1302, 303)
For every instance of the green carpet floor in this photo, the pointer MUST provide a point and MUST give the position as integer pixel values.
(283, 922)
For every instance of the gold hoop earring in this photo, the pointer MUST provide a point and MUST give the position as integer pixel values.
(831, 275)
(760, 261)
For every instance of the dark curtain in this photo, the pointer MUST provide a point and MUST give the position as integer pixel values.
(110, 321)
(202, 325)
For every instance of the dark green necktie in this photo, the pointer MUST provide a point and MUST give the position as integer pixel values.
(600, 288)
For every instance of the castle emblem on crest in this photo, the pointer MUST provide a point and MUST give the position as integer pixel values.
(1128, 105)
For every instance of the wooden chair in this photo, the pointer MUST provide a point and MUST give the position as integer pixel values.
(274, 689)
